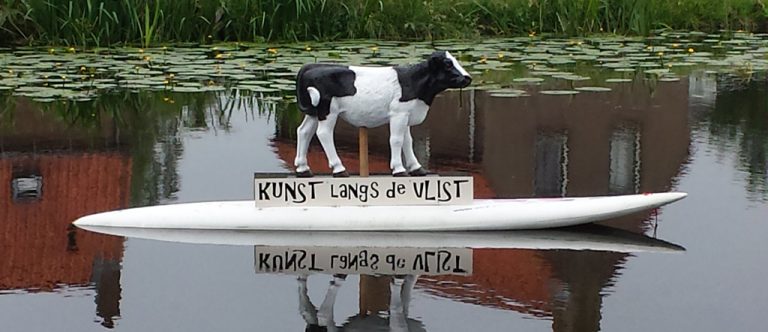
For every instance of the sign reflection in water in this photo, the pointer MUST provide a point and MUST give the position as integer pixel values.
(467, 267)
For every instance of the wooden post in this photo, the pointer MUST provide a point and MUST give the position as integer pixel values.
(374, 291)
(363, 142)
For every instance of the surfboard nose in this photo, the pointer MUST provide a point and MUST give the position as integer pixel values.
(670, 197)
(90, 220)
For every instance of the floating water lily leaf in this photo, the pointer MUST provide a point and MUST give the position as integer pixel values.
(558, 92)
(254, 88)
(513, 91)
(658, 71)
(572, 77)
(618, 80)
(186, 89)
(593, 89)
(533, 80)
(669, 79)
(284, 87)
(44, 100)
(508, 94)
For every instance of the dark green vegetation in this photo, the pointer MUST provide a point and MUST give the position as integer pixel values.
(150, 22)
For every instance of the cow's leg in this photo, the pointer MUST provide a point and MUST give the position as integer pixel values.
(325, 313)
(398, 126)
(405, 293)
(304, 135)
(306, 308)
(325, 135)
(411, 162)
(399, 298)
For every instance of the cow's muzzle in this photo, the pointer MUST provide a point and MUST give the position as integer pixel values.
(465, 81)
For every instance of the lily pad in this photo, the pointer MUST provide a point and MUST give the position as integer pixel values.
(508, 95)
(592, 89)
(572, 77)
(618, 80)
(531, 80)
(558, 92)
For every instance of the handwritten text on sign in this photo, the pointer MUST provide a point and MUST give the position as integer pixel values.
(385, 261)
(376, 190)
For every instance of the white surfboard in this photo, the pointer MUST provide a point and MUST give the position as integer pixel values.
(492, 214)
(591, 237)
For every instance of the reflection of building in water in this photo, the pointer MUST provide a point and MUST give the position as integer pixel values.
(42, 193)
(625, 141)
(702, 89)
(738, 122)
(617, 142)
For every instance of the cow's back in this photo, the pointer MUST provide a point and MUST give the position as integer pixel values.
(330, 81)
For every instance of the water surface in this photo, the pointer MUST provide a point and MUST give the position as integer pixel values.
(706, 135)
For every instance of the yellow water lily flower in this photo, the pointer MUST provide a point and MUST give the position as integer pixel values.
(690, 50)
(272, 50)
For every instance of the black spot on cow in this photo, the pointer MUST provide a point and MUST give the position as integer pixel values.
(426, 79)
(330, 80)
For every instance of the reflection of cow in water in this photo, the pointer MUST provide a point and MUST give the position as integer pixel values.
(371, 97)
(322, 319)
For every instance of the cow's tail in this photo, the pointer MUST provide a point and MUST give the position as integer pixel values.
(308, 100)
(314, 96)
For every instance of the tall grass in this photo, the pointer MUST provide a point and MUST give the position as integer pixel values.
(147, 22)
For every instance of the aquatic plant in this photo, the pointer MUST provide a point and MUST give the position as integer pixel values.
(148, 22)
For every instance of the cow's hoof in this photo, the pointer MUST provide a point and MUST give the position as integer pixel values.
(400, 174)
(418, 172)
(342, 174)
(304, 174)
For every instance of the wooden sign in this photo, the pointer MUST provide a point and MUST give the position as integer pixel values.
(356, 191)
(361, 260)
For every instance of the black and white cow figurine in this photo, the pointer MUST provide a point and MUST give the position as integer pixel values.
(371, 97)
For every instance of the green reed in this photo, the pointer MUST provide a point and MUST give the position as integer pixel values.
(149, 22)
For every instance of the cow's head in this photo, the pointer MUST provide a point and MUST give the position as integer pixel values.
(447, 71)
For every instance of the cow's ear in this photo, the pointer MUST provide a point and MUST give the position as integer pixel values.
(436, 60)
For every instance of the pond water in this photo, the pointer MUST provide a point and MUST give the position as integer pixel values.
(701, 131)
